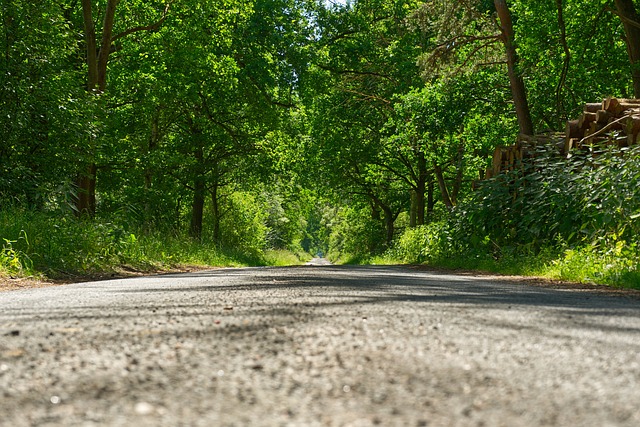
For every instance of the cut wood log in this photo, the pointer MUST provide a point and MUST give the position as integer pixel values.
(586, 119)
(573, 129)
(614, 122)
(617, 105)
(632, 126)
(603, 116)
(601, 131)
(632, 129)
(570, 144)
(593, 128)
(592, 107)
(498, 155)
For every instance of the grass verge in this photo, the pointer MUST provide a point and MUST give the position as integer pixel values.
(39, 247)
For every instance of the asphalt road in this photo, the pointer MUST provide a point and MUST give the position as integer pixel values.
(317, 346)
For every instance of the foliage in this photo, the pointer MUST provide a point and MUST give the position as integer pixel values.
(36, 243)
(586, 198)
(233, 132)
(245, 225)
(283, 258)
(574, 219)
(355, 234)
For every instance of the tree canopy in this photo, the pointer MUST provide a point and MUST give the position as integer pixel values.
(289, 120)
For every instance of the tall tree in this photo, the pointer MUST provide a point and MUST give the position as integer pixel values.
(97, 59)
(630, 18)
(367, 54)
(515, 77)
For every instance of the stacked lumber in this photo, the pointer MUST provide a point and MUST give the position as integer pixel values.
(509, 158)
(505, 159)
(614, 121)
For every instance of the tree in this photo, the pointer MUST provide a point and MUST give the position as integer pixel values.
(515, 78)
(40, 103)
(366, 55)
(464, 38)
(97, 58)
(630, 18)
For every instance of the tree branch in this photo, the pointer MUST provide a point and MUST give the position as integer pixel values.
(358, 73)
(623, 18)
(151, 27)
(369, 97)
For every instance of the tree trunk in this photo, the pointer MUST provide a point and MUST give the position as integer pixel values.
(86, 181)
(430, 198)
(518, 90)
(199, 187)
(97, 58)
(92, 48)
(420, 189)
(85, 199)
(446, 199)
(457, 184)
(105, 45)
(413, 211)
(389, 220)
(154, 139)
(215, 211)
(631, 20)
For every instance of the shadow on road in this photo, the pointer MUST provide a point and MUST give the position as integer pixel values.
(379, 284)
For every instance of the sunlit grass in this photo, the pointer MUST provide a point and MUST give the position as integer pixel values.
(36, 244)
(282, 257)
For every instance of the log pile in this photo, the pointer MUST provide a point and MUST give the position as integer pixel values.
(613, 121)
(509, 158)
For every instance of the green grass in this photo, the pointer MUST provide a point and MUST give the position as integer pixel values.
(49, 246)
(612, 262)
(584, 265)
(283, 257)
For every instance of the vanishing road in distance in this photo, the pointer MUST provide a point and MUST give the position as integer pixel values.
(318, 346)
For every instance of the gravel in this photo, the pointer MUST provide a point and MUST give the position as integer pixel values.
(317, 346)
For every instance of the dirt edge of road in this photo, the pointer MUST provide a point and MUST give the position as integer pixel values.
(15, 283)
(537, 281)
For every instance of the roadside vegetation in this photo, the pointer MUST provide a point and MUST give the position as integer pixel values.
(146, 136)
(45, 246)
(573, 220)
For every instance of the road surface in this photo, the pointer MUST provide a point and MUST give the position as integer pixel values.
(317, 346)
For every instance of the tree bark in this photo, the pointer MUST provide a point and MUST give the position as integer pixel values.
(418, 193)
(457, 184)
(85, 199)
(97, 58)
(199, 187)
(631, 21)
(154, 140)
(430, 194)
(413, 210)
(446, 199)
(92, 48)
(518, 90)
(215, 211)
(86, 180)
(105, 45)
(389, 220)
(420, 189)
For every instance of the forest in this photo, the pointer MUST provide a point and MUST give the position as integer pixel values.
(141, 136)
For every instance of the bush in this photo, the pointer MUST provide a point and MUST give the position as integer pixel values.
(419, 244)
(355, 235)
(244, 226)
(555, 202)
